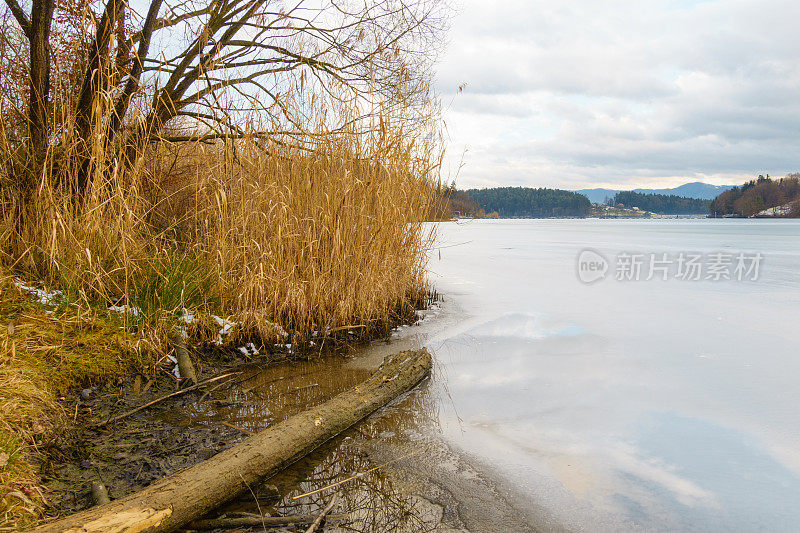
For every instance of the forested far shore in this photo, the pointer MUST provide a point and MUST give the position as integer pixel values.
(762, 196)
(661, 204)
(526, 202)
(530, 203)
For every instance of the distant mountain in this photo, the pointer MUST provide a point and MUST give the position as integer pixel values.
(598, 196)
(697, 189)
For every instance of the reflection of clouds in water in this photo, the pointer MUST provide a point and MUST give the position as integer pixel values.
(525, 326)
(753, 488)
(628, 459)
(555, 383)
(673, 472)
(611, 484)
(603, 460)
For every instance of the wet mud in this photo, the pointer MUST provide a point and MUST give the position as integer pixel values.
(391, 472)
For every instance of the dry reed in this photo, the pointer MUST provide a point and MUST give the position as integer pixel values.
(309, 240)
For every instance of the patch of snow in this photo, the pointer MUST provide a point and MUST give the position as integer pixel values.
(175, 371)
(125, 309)
(188, 317)
(42, 296)
(225, 327)
(282, 332)
(777, 211)
(249, 349)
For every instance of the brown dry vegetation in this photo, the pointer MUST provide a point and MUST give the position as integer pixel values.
(312, 238)
(44, 353)
(308, 240)
(311, 241)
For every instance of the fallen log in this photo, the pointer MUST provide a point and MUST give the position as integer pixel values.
(187, 495)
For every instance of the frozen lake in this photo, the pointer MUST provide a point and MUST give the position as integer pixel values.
(628, 403)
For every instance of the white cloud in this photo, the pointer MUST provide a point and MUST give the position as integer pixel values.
(621, 92)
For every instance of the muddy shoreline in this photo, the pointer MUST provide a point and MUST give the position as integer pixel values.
(131, 454)
(435, 489)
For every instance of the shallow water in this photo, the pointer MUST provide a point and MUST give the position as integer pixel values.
(654, 404)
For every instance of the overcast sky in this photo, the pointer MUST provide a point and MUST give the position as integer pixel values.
(595, 93)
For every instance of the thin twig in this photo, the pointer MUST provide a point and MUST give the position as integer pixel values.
(209, 391)
(313, 527)
(360, 474)
(243, 430)
(255, 521)
(162, 398)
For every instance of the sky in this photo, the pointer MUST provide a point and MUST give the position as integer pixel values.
(620, 94)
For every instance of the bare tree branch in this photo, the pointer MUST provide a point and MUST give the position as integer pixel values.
(22, 18)
(133, 80)
(226, 67)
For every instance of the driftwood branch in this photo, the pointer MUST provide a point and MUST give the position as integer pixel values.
(258, 521)
(126, 414)
(187, 495)
(321, 518)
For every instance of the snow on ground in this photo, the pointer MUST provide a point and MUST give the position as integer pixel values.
(43, 296)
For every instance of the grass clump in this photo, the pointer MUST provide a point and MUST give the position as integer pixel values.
(174, 281)
(67, 347)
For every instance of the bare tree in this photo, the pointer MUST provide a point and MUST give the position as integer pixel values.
(217, 62)
(37, 30)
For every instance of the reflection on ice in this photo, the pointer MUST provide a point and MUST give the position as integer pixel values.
(525, 326)
(647, 405)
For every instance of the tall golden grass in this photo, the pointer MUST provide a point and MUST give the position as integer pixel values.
(311, 239)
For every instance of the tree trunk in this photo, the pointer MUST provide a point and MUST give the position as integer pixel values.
(38, 38)
(180, 498)
(96, 82)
